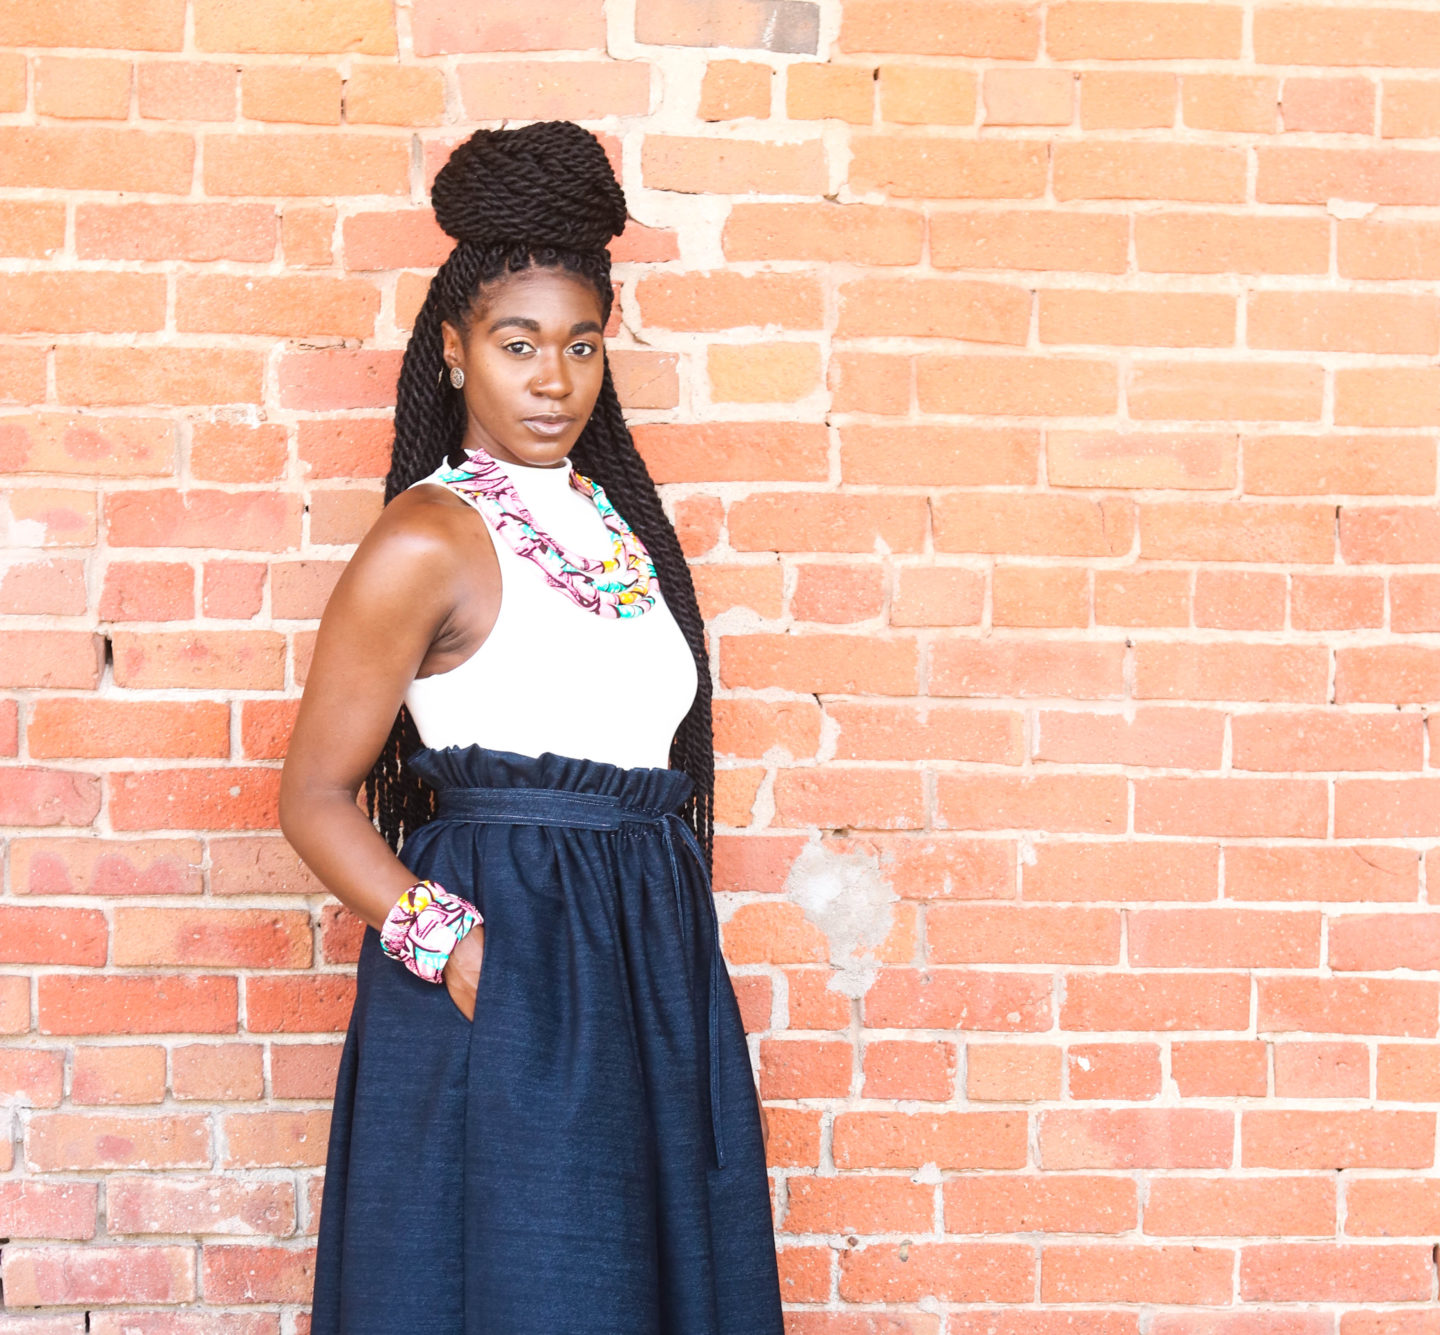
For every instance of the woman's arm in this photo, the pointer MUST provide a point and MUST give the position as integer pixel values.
(381, 619)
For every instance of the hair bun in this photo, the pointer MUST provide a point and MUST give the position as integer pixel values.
(549, 183)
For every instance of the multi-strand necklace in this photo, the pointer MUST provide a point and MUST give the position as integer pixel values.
(622, 586)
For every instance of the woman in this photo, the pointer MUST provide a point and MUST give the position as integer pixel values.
(545, 1121)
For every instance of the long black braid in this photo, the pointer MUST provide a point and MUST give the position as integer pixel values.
(544, 194)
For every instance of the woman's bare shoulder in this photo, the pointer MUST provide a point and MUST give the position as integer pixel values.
(412, 551)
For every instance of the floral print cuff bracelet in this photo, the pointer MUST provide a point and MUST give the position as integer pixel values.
(424, 927)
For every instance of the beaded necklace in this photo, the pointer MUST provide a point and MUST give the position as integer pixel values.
(622, 586)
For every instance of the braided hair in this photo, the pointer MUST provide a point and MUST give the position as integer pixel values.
(543, 194)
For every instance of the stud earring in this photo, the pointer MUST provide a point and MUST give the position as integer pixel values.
(457, 376)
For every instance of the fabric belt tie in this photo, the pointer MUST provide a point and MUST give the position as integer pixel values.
(598, 811)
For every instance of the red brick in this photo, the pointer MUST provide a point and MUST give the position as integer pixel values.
(1329, 875)
(1051, 802)
(1129, 1071)
(1012, 1072)
(1392, 1207)
(35, 1276)
(854, 1204)
(1149, 1274)
(1348, 1006)
(939, 731)
(1122, 872)
(1192, 461)
(1118, 1002)
(157, 1004)
(941, 998)
(1214, 1207)
(59, 866)
(1148, 736)
(1378, 942)
(1322, 1071)
(950, 1272)
(974, 934)
(209, 1205)
(33, 796)
(54, 1210)
(258, 1274)
(1233, 671)
(1223, 939)
(1072, 669)
(1219, 1069)
(951, 1140)
(218, 1071)
(994, 1203)
(1336, 602)
(1319, 1272)
(906, 1069)
(1408, 1072)
(73, 727)
(1279, 808)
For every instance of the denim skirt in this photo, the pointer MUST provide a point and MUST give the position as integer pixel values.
(584, 1157)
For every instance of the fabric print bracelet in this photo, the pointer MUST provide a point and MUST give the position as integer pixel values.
(424, 927)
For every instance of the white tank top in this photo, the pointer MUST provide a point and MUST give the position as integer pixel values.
(551, 676)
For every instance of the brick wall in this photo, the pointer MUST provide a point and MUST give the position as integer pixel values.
(1047, 396)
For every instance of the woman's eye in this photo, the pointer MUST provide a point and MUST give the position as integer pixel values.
(515, 343)
(587, 348)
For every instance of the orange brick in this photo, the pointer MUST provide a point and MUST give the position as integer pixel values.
(386, 95)
(942, 28)
(734, 90)
(84, 87)
(1136, 1138)
(1333, 106)
(927, 94)
(1029, 96)
(1100, 1002)
(1179, 242)
(1011, 1073)
(1117, 170)
(1040, 239)
(853, 233)
(362, 26)
(1238, 103)
(1100, 30)
(1127, 100)
(1343, 321)
(934, 168)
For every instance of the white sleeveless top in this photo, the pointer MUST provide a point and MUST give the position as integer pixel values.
(551, 676)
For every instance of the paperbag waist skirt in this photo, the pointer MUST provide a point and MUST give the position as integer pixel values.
(584, 1157)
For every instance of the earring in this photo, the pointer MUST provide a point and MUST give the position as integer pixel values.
(457, 376)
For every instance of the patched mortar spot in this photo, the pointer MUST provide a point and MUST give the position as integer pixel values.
(847, 898)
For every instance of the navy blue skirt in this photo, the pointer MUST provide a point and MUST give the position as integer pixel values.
(585, 1156)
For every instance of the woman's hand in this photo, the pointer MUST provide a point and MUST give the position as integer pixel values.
(462, 969)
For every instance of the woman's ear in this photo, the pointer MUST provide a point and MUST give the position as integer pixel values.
(451, 348)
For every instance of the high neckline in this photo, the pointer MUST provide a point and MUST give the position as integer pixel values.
(531, 476)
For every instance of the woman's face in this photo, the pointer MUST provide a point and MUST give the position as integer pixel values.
(534, 352)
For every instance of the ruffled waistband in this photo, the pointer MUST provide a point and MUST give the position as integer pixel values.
(474, 766)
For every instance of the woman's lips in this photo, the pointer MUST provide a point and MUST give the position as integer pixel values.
(548, 426)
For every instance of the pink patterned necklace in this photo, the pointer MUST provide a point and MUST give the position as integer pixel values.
(622, 586)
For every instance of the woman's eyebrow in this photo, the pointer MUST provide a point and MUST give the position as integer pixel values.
(524, 321)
